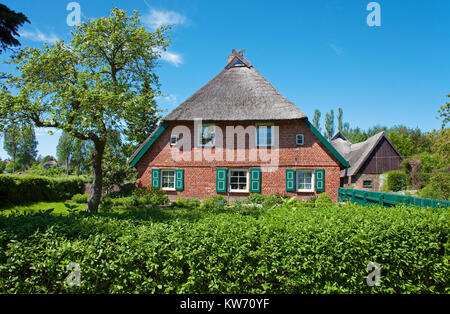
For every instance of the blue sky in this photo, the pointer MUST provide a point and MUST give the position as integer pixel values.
(319, 54)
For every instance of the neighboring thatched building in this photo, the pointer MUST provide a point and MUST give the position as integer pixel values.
(250, 139)
(368, 160)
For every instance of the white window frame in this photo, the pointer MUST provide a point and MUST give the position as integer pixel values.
(161, 180)
(238, 190)
(199, 137)
(302, 141)
(271, 126)
(312, 180)
(176, 140)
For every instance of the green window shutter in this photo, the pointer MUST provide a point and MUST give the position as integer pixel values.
(290, 180)
(255, 180)
(221, 180)
(155, 178)
(179, 179)
(320, 180)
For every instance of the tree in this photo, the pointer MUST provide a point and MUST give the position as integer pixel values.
(28, 146)
(402, 142)
(10, 22)
(20, 143)
(65, 149)
(340, 116)
(11, 143)
(444, 113)
(91, 86)
(317, 115)
(329, 124)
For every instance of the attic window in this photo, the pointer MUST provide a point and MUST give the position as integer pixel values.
(239, 63)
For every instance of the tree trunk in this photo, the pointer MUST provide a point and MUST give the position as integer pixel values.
(67, 165)
(14, 162)
(96, 188)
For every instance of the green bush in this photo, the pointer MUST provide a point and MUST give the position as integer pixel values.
(438, 186)
(80, 198)
(323, 200)
(152, 196)
(22, 189)
(186, 203)
(282, 250)
(214, 202)
(395, 180)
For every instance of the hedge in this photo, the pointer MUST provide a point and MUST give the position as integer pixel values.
(395, 180)
(22, 189)
(218, 250)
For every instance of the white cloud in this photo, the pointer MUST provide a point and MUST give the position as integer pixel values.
(336, 49)
(37, 35)
(169, 100)
(174, 58)
(157, 18)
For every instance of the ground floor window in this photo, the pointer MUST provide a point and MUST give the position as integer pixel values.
(168, 179)
(238, 180)
(305, 181)
(367, 183)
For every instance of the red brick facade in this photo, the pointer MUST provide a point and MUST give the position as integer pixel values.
(200, 175)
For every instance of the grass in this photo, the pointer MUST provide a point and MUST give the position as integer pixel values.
(58, 208)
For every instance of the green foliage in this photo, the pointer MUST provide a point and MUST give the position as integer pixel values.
(80, 198)
(187, 203)
(152, 196)
(282, 250)
(2, 166)
(40, 170)
(102, 81)
(438, 186)
(20, 144)
(329, 124)
(214, 202)
(22, 189)
(323, 200)
(395, 180)
(11, 21)
(316, 120)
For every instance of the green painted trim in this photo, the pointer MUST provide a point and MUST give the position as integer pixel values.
(320, 180)
(255, 180)
(221, 180)
(327, 144)
(179, 179)
(154, 137)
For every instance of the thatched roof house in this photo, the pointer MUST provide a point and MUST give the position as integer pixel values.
(306, 163)
(367, 159)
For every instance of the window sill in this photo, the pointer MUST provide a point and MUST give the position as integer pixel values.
(305, 191)
(241, 191)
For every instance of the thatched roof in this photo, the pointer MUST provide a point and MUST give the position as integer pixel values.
(238, 93)
(357, 154)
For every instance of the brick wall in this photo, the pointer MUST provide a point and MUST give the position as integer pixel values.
(200, 175)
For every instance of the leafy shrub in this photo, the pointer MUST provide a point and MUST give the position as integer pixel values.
(438, 186)
(323, 200)
(152, 196)
(22, 189)
(256, 198)
(395, 180)
(214, 202)
(80, 198)
(284, 250)
(187, 202)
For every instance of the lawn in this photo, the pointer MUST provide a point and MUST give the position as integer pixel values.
(211, 247)
(58, 208)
